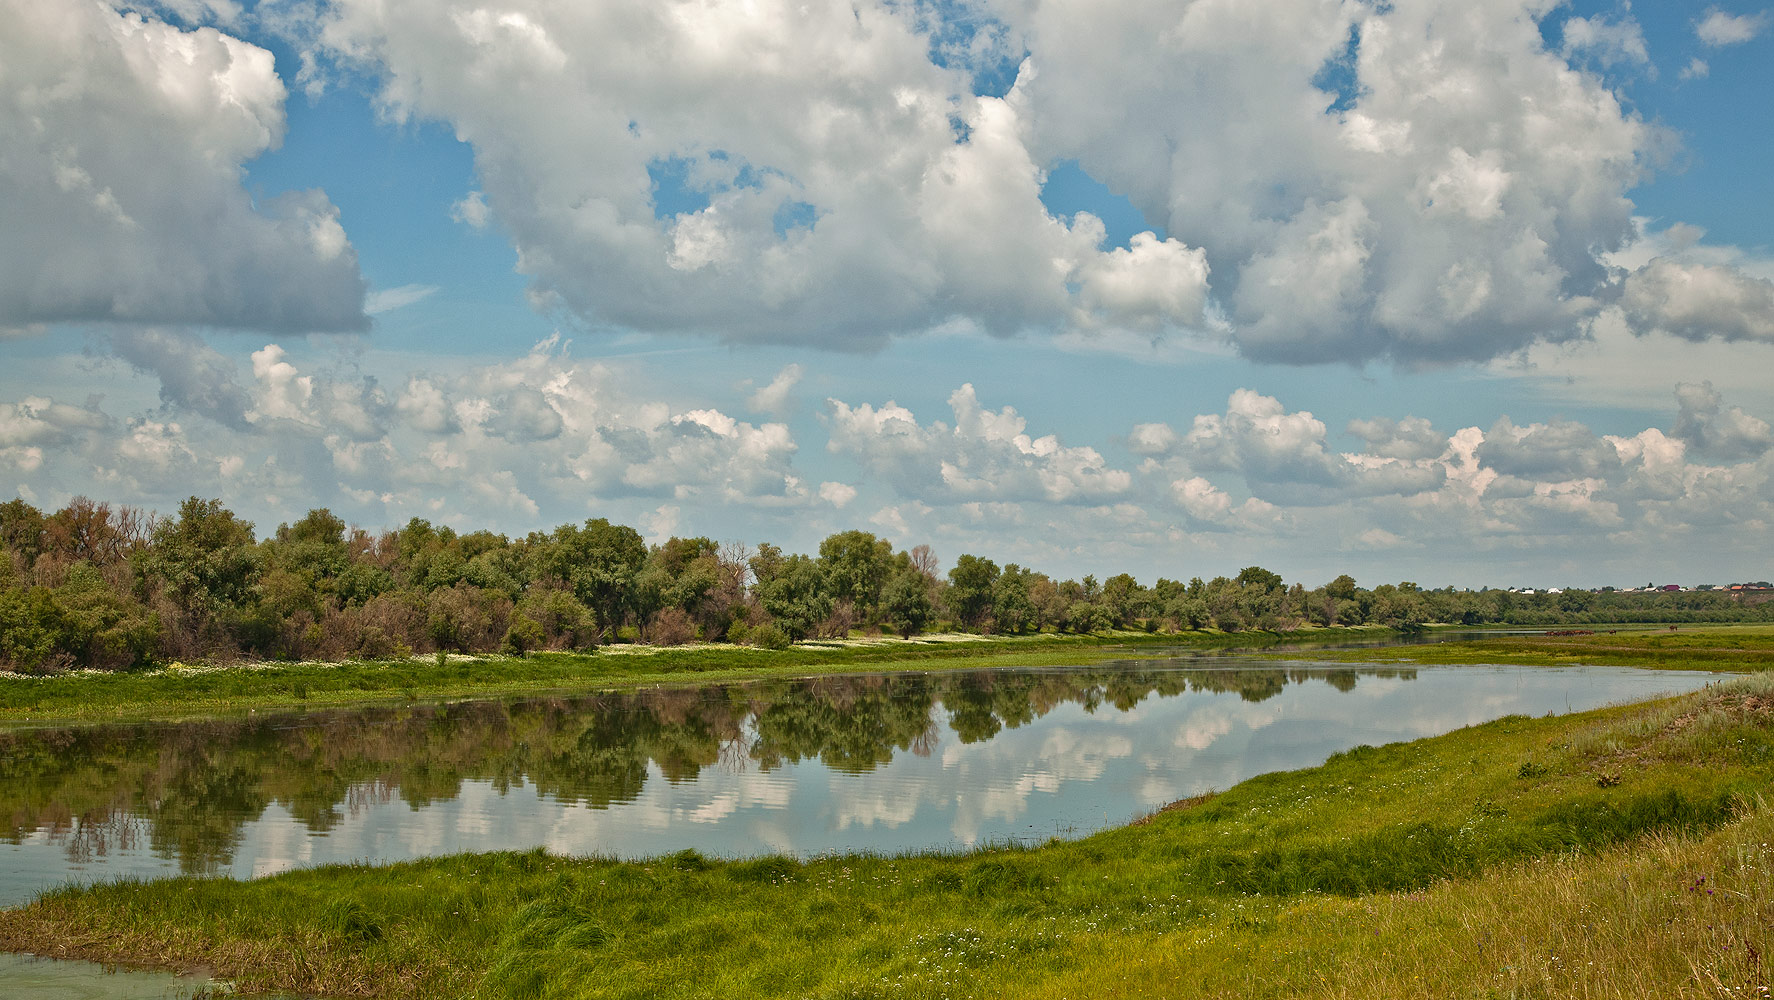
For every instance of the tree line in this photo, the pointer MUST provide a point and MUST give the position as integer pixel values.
(94, 585)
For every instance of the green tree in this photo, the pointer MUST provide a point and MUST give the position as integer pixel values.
(767, 563)
(905, 602)
(970, 588)
(315, 544)
(1122, 599)
(33, 629)
(106, 629)
(599, 562)
(796, 596)
(22, 529)
(856, 566)
(1013, 612)
(206, 560)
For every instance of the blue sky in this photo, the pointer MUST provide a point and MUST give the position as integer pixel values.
(1465, 293)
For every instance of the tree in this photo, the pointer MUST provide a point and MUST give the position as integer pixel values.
(1399, 607)
(22, 529)
(1122, 599)
(206, 559)
(33, 626)
(796, 596)
(1012, 610)
(1259, 578)
(599, 562)
(316, 543)
(856, 566)
(924, 559)
(105, 629)
(970, 588)
(767, 563)
(88, 530)
(905, 602)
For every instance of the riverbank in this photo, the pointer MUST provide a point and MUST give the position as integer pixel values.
(1617, 853)
(181, 691)
(1685, 647)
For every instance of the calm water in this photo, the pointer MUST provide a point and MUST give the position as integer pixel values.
(875, 763)
(22, 977)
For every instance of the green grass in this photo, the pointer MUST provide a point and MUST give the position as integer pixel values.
(1566, 856)
(178, 692)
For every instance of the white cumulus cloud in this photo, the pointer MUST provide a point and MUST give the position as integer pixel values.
(120, 188)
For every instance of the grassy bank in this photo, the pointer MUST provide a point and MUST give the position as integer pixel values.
(1619, 853)
(182, 691)
(1687, 647)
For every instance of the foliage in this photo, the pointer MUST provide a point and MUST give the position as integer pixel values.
(768, 636)
(796, 597)
(110, 587)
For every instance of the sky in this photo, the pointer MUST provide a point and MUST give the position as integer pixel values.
(1464, 292)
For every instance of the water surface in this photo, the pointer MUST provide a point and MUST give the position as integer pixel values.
(24, 976)
(883, 762)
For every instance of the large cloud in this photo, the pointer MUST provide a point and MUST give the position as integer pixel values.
(1420, 179)
(1424, 179)
(756, 171)
(120, 181)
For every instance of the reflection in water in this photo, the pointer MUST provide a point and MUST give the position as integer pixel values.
(875, 762)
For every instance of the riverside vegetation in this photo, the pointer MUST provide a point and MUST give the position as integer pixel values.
(115, 588)
(178, 691)
(1618, 853)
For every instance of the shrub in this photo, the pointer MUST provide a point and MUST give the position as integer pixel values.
(672, 627)
(768, 636)
(523, 635)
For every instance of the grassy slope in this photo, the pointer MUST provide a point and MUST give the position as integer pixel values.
(182, 692)
(1623, 855)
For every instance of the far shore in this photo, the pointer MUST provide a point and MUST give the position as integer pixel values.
(185, 691)
(182, 691)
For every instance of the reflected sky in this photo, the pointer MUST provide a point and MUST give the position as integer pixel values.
(880, 763)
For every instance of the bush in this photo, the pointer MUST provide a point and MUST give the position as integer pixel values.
(565, 622)
(523, 635)
(838, 624)
(768, 636)
(32, 631)
(672, 627)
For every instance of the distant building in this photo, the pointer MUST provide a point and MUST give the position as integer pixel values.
(1750, 593)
